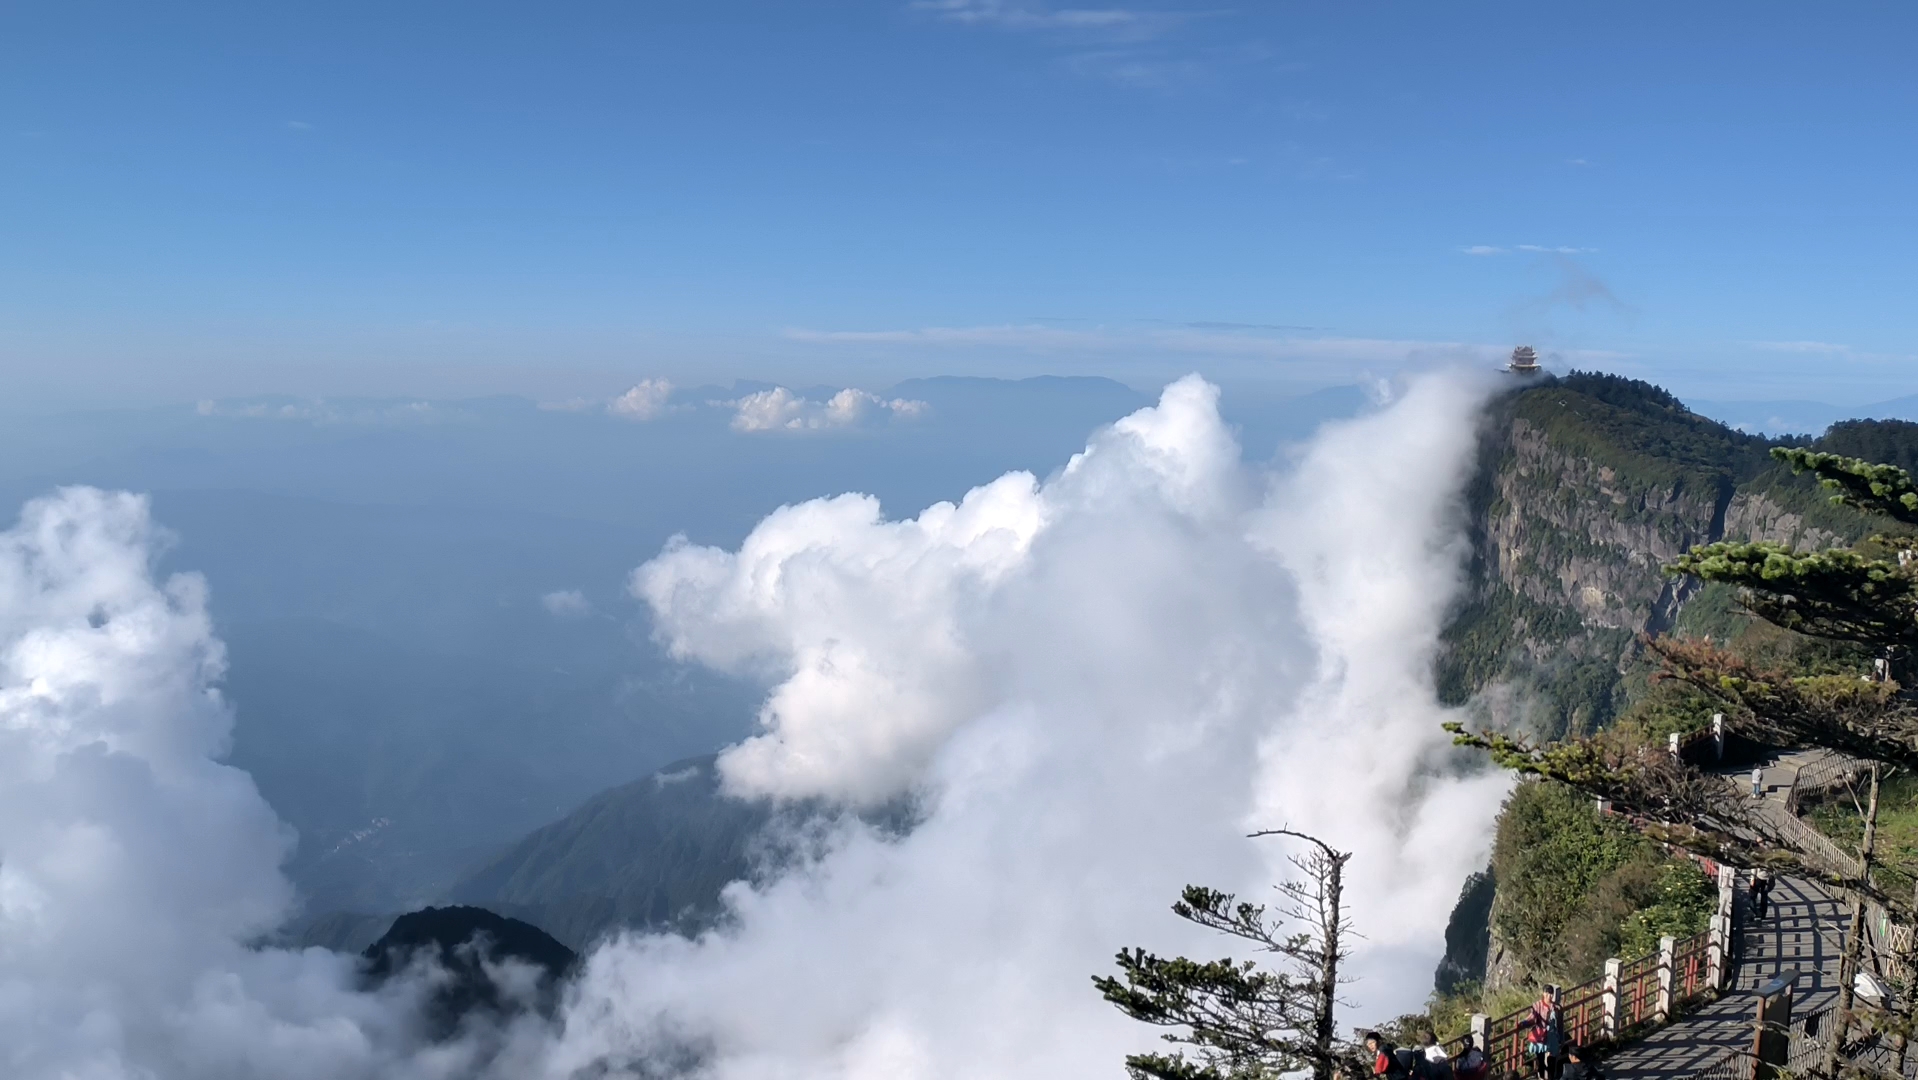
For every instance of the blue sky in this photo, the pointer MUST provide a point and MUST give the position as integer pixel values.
(211, 199)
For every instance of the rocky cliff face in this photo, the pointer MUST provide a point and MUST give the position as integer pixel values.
(1570, 532)
(1587, 487)
(1756, 515)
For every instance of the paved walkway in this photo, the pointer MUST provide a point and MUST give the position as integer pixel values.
(1804, 930)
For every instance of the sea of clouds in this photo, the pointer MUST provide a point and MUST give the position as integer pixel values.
(1090, 687)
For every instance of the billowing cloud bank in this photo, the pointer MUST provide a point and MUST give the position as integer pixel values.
(132, 866)
(1097, 684)
(1092, 686)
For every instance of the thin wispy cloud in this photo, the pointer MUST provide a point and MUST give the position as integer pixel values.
(1578, 161)
(1821, 348)
(1014, 16)
(1244, 326)
(322, 411)
(1113, 33)
(1337, 354)
(566, 604)
(299, 125)
(1530, 249)
(1128, 67)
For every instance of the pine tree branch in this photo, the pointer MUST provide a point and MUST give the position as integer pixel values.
(1864, 719)
(1875, 489)
(1839, 593)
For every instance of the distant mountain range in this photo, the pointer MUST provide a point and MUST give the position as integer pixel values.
(1800, 417)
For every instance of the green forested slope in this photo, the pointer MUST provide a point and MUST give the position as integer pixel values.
(1587, 487)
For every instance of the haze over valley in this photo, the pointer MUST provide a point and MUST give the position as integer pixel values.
(931, 539)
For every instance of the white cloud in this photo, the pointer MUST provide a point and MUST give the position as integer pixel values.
(1095, 685)
(780, 409)
(1483, 249)
(1033, 17)
(323, 411)
(566, 603)
(645, 401)
(137, 867)
(1092, 685)
(299, 125)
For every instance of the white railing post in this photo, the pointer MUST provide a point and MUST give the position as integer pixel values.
(1608, 1000)
(1666, 946)
(1671, 743)
(1718, 735)
(1719, 945)
(1481, 1034)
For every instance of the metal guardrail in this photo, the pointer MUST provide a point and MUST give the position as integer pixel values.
(1805, 1050)
(1828, 772)
(1816, 844)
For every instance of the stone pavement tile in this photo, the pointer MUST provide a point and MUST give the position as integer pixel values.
(1802, 932)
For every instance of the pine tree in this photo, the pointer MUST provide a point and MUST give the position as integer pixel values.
(1238, 1020)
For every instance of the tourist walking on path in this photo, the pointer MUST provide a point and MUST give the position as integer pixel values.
(1541, 1033)
(1760, 894)
(1758, 781)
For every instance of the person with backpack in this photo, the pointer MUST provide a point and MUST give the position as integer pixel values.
(1434, 1065)
(1471, 1062)
(1760, 894)
(1385, 1058)
(1579, 1067)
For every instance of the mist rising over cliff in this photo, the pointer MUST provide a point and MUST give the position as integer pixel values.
(1092, 685)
